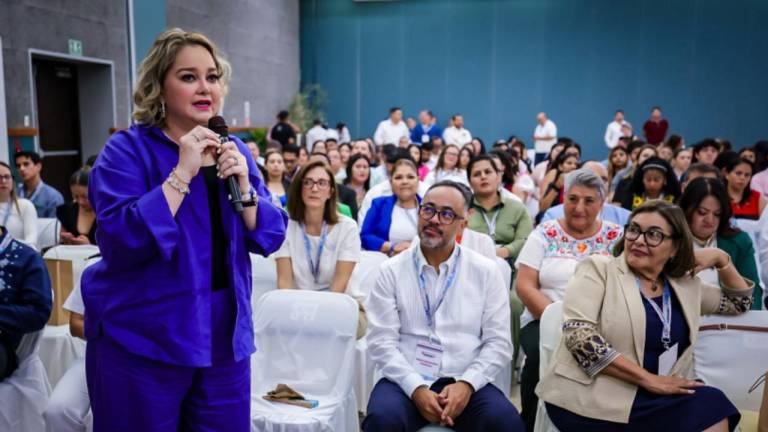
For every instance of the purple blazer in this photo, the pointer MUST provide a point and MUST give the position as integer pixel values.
(151, 291)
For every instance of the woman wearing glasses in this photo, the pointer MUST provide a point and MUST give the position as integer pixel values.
(390, 225)
(630, 325)
(548, 261)
(321, 246)
(17, 215)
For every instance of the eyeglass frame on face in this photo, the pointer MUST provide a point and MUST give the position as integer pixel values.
(309, 184)
(441, 214)
(6, 177)
(645, 233)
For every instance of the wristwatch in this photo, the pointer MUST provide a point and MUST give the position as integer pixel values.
(250, 199)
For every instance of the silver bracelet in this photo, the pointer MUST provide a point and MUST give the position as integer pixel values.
(176, 183)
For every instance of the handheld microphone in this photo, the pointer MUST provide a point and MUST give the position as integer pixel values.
(219, 125)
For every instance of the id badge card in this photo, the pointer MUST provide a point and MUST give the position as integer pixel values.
(424, 138)
(428, 359)
(667, 360)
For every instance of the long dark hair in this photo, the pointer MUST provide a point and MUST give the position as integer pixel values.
(508, 176)
(295, 204)
(352, 159)
(701, 188)
(671, 186)
(730, 166)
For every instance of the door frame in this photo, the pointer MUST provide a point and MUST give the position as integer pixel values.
(4, 156)
(34, 53)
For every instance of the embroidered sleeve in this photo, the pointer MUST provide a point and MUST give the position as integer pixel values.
(588, 346)
(734, 302)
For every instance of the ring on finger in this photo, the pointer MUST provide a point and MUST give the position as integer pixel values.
(235, 161)
(197, 139)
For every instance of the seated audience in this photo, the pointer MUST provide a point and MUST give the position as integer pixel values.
(447, 167)
(291, 154)
(17, 215)
(548, 261)
(45, 198)
(416, 155)
(345, 151)
(321, 246)
(706, 151)
(630, 326)
(319, 147)
(438, 361)
(69, 405)
(551, 190)
(346, 198)
(697, 170)
(618, 159)
(358, 176)
(637, 155)
(78, 220)
(276, 182)
(708, 213)
(385, 188)
(390, 224)
(634, 148)
(760, 179)
(610, 212)
(749, 154)
(478, 146)
(338, 169)
(541, 168)
(653, 180)
(465, 154)
(745, 203)
(681, 161)
(665, 152)
(26, 298)
(505, 220)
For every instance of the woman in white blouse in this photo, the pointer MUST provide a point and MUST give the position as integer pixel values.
(447, 167)
(17, 215)
(321, 246)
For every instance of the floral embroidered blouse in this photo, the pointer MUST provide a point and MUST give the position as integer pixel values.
(554, 254)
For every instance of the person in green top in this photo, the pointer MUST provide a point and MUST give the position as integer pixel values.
(506, 220)
(707, 208)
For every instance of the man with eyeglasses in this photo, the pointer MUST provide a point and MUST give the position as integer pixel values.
(440, 329)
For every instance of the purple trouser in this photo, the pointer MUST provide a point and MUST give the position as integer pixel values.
(132, 393)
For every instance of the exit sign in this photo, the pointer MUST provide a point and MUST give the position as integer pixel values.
(75, 47)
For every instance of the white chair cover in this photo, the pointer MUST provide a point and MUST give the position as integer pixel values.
(24, 395)
(264, 274)
(550, 332)
(364, 275)
(731, 360)
(305, 339)
(752, 227)
(58, 350)
(506, 271)
(48, 230)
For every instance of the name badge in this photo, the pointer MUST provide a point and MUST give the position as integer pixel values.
(425, 138)
(428, 358)
(667, 360)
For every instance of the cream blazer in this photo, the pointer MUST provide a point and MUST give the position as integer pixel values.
(604, 292)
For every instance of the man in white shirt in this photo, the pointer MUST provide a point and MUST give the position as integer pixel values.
(315, 134)
(392, 129)
(614, 130)
(439, 330)
(456, 134)
(544, 136)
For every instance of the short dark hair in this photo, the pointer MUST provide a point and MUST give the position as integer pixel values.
(282, 115)
(684, 261)
(730, 166)
(702, 187)
(619, 111)
(635, 144)
(725, 158)
(91, 161)
(393, 109)
(80, 177)
(701, 145)
(291, 148)
(295, 205)
(331, 139)
(702, 168)
(479, 158)
(465, 193)
(655, 108)
(33, 156)
(394, 154)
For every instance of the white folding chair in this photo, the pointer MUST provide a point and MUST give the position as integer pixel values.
(550, 332)
(732, 359)
(264, 274)
(752, 228)
(48, 230)
(24, 395)
(305, 339)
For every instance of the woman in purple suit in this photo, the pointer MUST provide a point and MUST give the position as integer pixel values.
(167, 310)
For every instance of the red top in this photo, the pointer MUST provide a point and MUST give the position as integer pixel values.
(655, 132)
(748, 210)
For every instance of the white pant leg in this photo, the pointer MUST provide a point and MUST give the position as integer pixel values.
(69, 404)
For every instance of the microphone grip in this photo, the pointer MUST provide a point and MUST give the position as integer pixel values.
(234, 194)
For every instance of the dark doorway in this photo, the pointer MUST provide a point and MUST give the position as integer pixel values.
(58, 119)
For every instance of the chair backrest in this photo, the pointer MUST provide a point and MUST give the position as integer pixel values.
(29, 345)
(48, 230)
(365, 273)
(752, 228)
(305, 339)
(731, 360)
(264, 275)
(550, 332)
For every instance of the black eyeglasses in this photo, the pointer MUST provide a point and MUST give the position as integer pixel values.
(445, 216)
(653, 236)
(309, 183)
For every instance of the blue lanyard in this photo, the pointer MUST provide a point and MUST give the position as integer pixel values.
(6, 241)
(449, 280)
(664, 313)
(9, 209)
(314, 265)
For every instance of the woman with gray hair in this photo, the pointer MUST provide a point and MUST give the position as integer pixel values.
(548, 261)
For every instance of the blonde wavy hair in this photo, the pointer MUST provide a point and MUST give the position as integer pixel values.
(147, 97)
